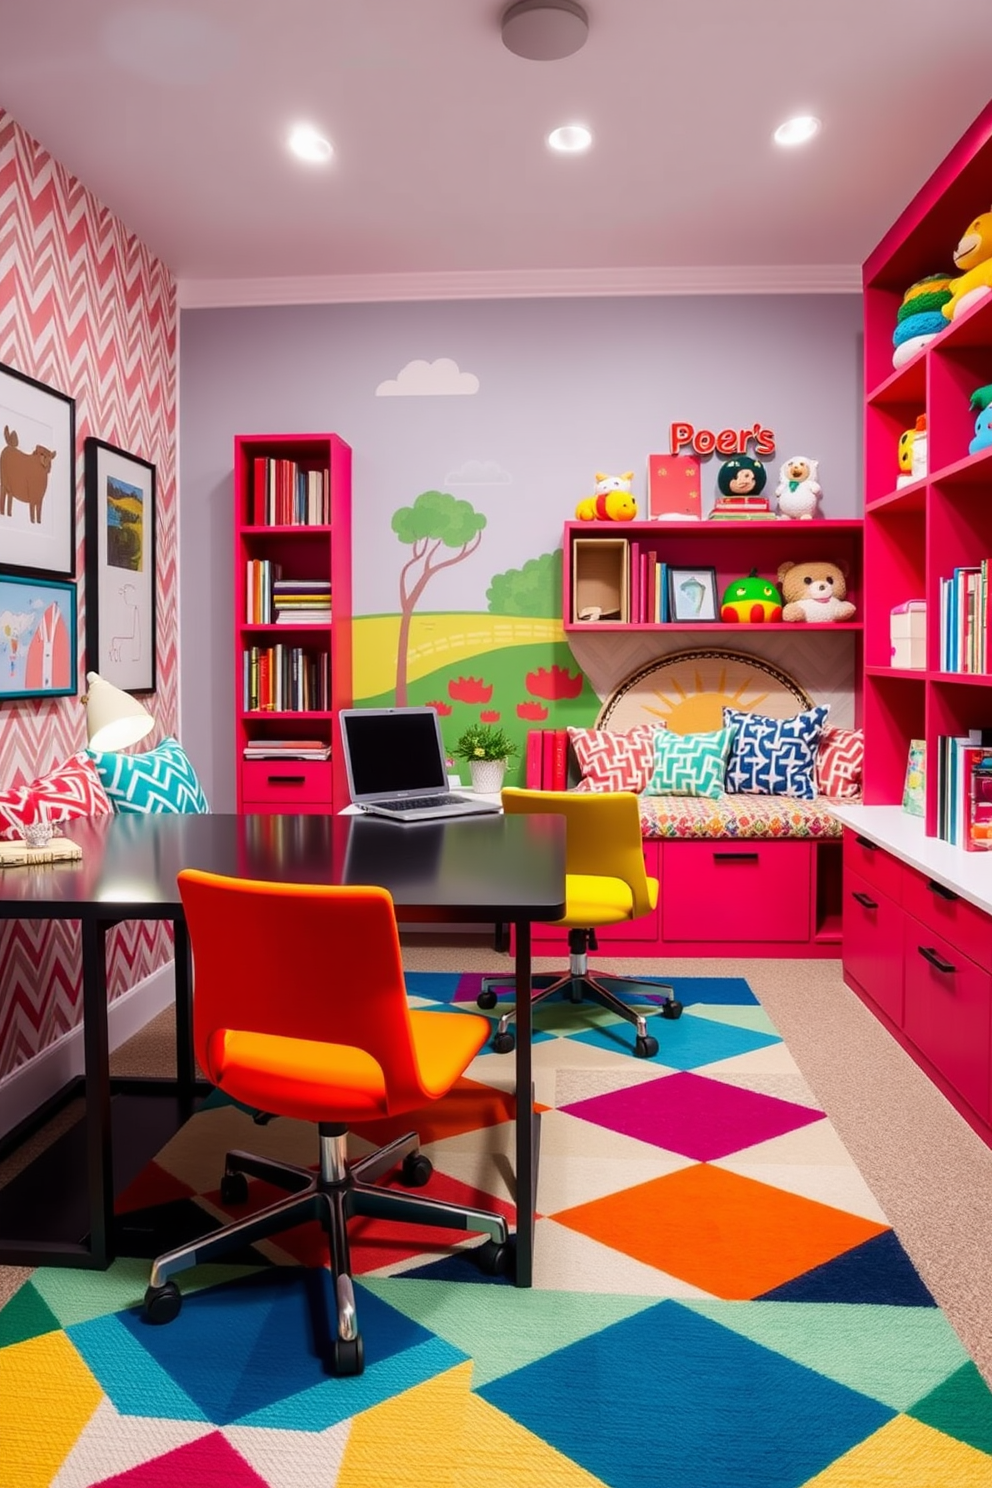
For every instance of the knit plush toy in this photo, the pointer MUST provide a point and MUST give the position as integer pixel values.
(612, 501)
(981, 402)
(973, 255)
(798, 490)
(920, 316)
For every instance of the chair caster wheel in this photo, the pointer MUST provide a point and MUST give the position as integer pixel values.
(646, 1047)
(486, 999)
(347, 1356)
(416, 1170)
(496, 1258)
(504, 1043)
(671, 1009)
(162, 1303)
(234, 1189)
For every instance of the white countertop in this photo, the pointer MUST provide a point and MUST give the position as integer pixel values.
(968, 874)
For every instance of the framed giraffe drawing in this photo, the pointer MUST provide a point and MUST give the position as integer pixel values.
(120, 566)
(37, 638)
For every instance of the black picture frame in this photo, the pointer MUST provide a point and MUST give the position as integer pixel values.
(37, 477)
(120, 566)
(692, 596)
(38, 649)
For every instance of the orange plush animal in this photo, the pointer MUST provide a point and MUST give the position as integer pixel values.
(612, 502)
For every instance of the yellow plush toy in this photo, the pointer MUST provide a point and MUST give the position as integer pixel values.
(973, 255)
(612, 502)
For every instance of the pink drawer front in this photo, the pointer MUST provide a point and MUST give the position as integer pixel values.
(947, 1013)
(873, 863)
(873, 943)
(947, 914)
(293, 783)
(726, 891)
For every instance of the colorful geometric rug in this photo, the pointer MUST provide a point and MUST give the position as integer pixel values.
(718, 1300)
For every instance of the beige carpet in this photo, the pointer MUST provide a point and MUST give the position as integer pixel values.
(930, 1173)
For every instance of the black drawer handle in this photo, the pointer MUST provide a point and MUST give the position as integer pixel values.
(936, 888)
(287, 779)
(863, 899)
(863, 842)
(735, 857)
(929, 954)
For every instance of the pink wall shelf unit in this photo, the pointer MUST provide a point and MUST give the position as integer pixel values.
(292, 640)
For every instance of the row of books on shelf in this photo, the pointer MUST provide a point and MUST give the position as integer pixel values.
(286, 494)
(285, 679)
(964, 619)
(964, 790)
(546, 759)
(287, 749)
(271, 599)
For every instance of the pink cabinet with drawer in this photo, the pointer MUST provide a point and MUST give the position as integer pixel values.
(873, 943)
(947, 914)
(948, 1012)
(286, 785)
(735, 891)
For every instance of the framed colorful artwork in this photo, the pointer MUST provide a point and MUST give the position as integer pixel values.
(37, 638)
(37, 476)
(692, 594)
(120, 567)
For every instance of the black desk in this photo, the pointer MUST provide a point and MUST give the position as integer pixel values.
(508, 868)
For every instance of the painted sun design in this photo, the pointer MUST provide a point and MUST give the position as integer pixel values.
(694, 702)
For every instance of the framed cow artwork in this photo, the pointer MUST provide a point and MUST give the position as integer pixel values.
(37, 477)
(37, 638)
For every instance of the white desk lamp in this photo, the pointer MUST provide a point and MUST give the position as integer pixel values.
(114, 719)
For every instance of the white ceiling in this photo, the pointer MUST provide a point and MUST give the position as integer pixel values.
(175, 116)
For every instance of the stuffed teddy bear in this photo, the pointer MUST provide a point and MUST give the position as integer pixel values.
(612, 502)
(973, 255)
(814, 593)
(797, 489)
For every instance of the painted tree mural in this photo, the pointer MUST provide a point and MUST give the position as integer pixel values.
(434, 522)
(534, 589)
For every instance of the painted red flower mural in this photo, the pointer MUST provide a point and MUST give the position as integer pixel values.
(443, 708)
(470, 690)
(532, 712)
(489, 715)
(556, 683)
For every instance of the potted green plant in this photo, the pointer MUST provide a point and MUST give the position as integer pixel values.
(487, 749)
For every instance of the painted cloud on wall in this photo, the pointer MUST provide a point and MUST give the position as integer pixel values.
(420, 379)
(479, 473)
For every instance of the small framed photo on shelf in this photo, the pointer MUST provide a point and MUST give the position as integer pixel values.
(37, 476)
(692, 594)
(37, 638)
(120, 567)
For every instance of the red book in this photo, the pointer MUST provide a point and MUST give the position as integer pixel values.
(547, 758)
(559, 774)
(674, 488)
(634, 607)
(256, 514)
(533, 759)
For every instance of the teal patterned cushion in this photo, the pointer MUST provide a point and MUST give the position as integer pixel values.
(162, 779)
(690, 764)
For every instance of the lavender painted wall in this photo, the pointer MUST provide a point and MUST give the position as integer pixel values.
(565, 388)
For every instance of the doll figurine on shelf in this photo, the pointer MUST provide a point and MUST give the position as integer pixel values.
(798, 490)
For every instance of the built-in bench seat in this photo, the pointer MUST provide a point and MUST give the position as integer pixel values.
(739, 818)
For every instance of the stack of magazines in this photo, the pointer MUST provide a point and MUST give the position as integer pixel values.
(296, 749)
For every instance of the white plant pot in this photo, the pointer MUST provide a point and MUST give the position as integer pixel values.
(487, 776)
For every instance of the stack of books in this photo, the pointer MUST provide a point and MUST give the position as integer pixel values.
(964, 619)
(302, 601)
(290, 749)
(964, 790)
(285, 494)
(742, 509)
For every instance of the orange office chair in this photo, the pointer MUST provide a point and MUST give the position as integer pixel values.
(300, 1009)
(605, 883)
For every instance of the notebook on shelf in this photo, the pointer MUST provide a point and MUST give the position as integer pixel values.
(394, 758)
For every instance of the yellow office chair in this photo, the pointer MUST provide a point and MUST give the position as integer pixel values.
(605, 884)
(300, 1009)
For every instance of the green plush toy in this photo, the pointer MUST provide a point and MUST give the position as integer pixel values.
(751, 601)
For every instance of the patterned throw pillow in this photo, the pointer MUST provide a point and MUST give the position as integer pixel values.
(774, 756)
(839, 763)
(161, 780)
(71, 790)
(690, 764)
(615, 762)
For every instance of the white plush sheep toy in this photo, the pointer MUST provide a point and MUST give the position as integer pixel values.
(798, 491)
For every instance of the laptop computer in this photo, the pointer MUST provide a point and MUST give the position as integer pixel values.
(396, 765)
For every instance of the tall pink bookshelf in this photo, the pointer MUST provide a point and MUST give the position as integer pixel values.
(292, 546)
(917, 534)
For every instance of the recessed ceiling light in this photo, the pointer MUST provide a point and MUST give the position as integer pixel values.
(569, 139)
(309, 145)
(797, 131)
(544, 30)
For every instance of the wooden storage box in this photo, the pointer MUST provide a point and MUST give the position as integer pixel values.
(601, 579)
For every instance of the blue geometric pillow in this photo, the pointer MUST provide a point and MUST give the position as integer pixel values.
(775, 756)
(161, 780)
(690, 764)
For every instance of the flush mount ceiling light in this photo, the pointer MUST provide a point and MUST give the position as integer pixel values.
(305, 142)
(569, 139)
(544, 30)
(797, 131)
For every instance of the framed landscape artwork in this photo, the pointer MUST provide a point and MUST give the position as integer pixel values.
(37, 476)
(120, 567)
(37, 638)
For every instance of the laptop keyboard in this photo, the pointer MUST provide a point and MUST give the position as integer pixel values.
(418, 803)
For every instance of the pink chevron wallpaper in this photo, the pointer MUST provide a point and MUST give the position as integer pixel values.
(85, 308)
